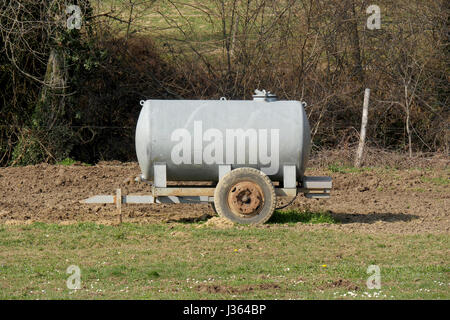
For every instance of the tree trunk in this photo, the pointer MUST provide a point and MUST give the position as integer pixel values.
(50, 130)
(350, 23)
(355, 46)
(51, 101)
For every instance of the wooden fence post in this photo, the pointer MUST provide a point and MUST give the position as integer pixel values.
(362, 136)
(119, 204)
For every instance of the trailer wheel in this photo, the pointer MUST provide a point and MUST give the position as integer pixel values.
(245, 195)
(214, 208)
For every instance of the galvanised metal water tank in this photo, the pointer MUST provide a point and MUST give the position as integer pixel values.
(194, 137)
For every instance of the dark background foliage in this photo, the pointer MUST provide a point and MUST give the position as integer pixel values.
(75, 93)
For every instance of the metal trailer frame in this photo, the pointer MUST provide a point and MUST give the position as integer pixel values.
(311, 187)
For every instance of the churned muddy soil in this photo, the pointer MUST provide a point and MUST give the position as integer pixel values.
(375, 200)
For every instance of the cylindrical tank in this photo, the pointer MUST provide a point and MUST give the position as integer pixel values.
(194, 137)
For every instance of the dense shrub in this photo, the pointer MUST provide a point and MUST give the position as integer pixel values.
(318, 51)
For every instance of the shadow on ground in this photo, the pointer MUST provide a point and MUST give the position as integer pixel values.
(295, 216)
(345, 218)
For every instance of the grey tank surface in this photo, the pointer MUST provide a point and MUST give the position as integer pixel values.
(194, 137)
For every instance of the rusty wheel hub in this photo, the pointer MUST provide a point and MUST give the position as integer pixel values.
(246, 198)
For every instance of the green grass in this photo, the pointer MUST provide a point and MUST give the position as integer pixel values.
(439, 181)
(67, 162)
(184, 25)
(339, 168)
(184, 261)
(164, 18)
(70, 162)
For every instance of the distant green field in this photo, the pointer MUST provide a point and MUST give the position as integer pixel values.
(193, 261)
(187, 24)
(167, 20)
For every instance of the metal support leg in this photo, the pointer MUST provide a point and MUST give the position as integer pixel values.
(289, 177)
(224, 169)
(160, 175)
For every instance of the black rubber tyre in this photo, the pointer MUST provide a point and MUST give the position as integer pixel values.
(246, 196)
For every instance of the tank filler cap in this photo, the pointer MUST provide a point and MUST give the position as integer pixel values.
(264, 96)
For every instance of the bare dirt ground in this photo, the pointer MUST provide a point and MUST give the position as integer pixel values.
(377, 200)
